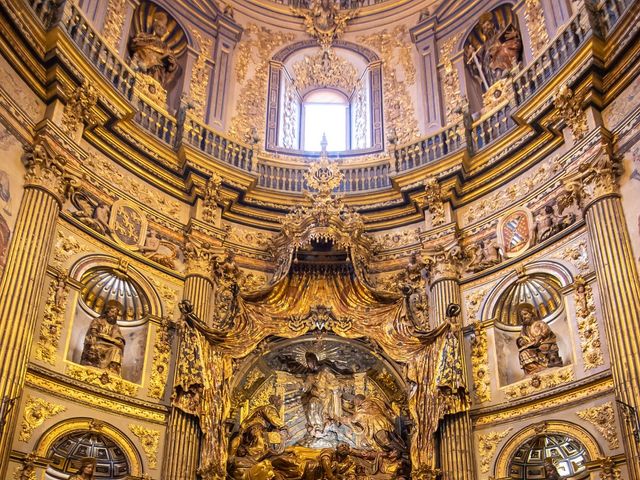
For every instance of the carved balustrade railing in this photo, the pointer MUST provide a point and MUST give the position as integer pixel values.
(357, 178)
(159, 124)
(430, 149)
(94, 47)
(491, 127)
(210, 142)
(610, 11)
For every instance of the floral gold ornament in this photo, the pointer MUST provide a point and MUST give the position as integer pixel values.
(433, 200)
(324, 21)
(161, 359)
(609, 470)
(150, 440)
(52, 321)
(480, 364)
(114, 23)
(539, 382)
(78, 108)
(200, 75)
(27, 468)
(569, 107)
(487, 445)
(102, 378)
(536, 25)
(603, 418)
(325, 69)
(455, 103)
(587, 325)
(36, 412)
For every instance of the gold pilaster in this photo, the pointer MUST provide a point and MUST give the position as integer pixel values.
(181, 459)
(456, 447)
(24, 274)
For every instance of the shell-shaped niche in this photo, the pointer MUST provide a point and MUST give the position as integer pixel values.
(569, 456)
(538, 289)
(103, 284)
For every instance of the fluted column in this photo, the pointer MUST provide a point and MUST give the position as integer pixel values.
(617, 276)
(24, 274)
(456, 448)
(181, 459)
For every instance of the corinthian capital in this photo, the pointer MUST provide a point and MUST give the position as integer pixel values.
(45, 169)
(444, 262)
(199, 257)
(595, 178)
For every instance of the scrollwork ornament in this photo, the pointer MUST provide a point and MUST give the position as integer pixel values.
(603, 418)
(52, 321)
(200, 75)
(212, 197)
(609, 470)
(433, 200)
(588, 325)
(45, 168)
(444, 262)
(480, 364)
(150, 440)
(27, 468)
(113, 23)
(536, 25)
(487, 445)
(36, 412)
(570, 110)
(78, 108)
(161, 358)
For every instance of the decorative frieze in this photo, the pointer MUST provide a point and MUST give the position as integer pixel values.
(52, 321)
(539, 382)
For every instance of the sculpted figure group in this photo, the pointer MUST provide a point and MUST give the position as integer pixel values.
(537, 344)
(104, 342)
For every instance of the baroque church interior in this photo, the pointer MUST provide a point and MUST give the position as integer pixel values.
(319, 239)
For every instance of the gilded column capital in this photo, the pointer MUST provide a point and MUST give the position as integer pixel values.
(595, 178)
(200, 257)
(45, 169)
(444, 262)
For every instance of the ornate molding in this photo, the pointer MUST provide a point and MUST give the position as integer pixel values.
(487, 445)
(36, 412)
(200, 75)
(150, 441)
(587, 325)
(444, 262)
(199, 257)
(114, 22)
(538, 382)
(212, 198)
(480, 364)
(455, 103)
(325, 69)
(52, 321)
(577, 255)
(603, 418)
(433, 200)
(320, 318)
(102, 378)
(325, 23)
(536, 25)
(609, 469)
(161, 359)
(570, 110)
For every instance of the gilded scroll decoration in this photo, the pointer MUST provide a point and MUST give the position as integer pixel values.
(609, 470)
(399, 73)
(433, 200)
(27, 468)
(290, 116)
(66, 246)
(588, 325)
(539, 382)
(474, 303)
(570, 110)
(52, 321)
(77, 110)
(212, 198)
(536, 26)
(102, 378)
(161, 358)
(36, 412)
(578, 255)
(455, 102)
(200, 75)
(480, 364)
(325, 69)
(603, 418)
(360, 112)
(45, 168)
(150, 440)
(324, 21)
(487, 445)
(114, 22)
(255, 49)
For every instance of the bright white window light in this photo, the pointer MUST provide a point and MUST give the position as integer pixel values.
(325, 112)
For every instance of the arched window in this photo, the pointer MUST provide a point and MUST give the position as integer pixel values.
(325, 112)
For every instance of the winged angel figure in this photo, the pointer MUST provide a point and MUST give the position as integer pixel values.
(324, 21)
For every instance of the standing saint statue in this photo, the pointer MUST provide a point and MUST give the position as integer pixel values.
(537, 344)
(103, 342)
(86, 471)
(151, 54)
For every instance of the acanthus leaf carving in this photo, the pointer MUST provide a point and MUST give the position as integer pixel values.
(588, 325)
(36, 412)
(150, 441)
(45, 168)
(78, 108)
(480, 364)
(487, 445)
(603, 418)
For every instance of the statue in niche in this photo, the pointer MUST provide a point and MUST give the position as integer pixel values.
(499, 53)
(91, 212)
(103, 342)
(151, 54)
(548, 224)
(537, 344)
(550, 470)
(86, 470)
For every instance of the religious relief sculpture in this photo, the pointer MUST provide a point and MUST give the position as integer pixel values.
(103, 342)
(158, 250)
(537, 344)
(91, 212)
(324, 21)
(483, 255)
(548, 223)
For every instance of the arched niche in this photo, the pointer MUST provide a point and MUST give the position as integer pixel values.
(299, 68)
(492, 50)
(82, 437)
(104, 279)
(154, 28)
(278, 367)
(551, 428)
(540, 284)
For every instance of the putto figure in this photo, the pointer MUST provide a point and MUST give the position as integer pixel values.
(103, 342)
(151, 54)
(537, 344)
